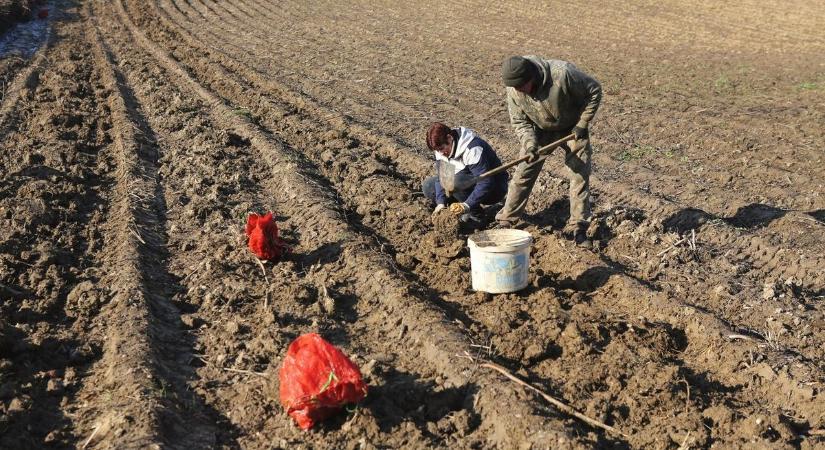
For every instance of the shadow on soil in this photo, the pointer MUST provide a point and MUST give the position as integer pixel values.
(588, 281)
(755, 215)
(704, 390)
(750, 217)
(404, 397)
(819, 215)
(552, 217)
(556, 215)
(322, 255)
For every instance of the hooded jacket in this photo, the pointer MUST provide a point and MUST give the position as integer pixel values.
(564, 97)
(473, 156)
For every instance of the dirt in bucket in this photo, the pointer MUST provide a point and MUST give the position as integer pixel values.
(483, 239)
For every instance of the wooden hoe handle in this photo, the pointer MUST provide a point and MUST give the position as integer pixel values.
(546, 148)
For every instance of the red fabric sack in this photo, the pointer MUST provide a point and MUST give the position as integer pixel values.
(317, 379)
(263, 237)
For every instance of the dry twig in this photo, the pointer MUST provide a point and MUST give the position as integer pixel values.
(672, 246)
(263, 270)
(685, 445)
(557, 403)
(229, 369)
(266, 279)
(250, 372)
(734, 337)
(135, 233)
(97, 428)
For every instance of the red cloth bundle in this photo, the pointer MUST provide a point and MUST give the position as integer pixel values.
(263, 237)
(317, 379)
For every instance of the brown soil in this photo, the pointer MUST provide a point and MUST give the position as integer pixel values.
(141, 134)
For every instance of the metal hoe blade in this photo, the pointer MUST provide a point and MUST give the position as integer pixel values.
(446, 176)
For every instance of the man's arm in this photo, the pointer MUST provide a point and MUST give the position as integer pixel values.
(524, 127)
(584, 86)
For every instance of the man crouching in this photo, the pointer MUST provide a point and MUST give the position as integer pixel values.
(461, 156)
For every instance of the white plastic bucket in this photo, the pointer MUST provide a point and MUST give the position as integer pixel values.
(500, 260)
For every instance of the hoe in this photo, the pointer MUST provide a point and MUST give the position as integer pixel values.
(446, 171)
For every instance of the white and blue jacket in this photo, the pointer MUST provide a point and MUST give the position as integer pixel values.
(473, 156)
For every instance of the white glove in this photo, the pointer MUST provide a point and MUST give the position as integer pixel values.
(459, 208)
(438, 208)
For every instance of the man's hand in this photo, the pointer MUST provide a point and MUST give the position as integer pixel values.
(438, 208)
(532, 153)
(581, 133)
(459, 208)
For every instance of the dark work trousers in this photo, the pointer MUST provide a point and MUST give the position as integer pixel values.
(577, 164)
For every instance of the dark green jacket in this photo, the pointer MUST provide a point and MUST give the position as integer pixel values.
(565, 97)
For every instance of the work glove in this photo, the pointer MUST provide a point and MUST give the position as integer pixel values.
(438, 208)
(581, 133)
(532, 152)
(459, 208)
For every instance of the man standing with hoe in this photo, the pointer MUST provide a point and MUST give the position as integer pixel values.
(548, 99)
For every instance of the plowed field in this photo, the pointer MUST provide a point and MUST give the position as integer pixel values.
(139, 135)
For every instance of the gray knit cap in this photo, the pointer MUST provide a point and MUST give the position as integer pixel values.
(517, 70)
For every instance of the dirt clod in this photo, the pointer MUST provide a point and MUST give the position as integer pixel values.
(54, 386)
(445, 225)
